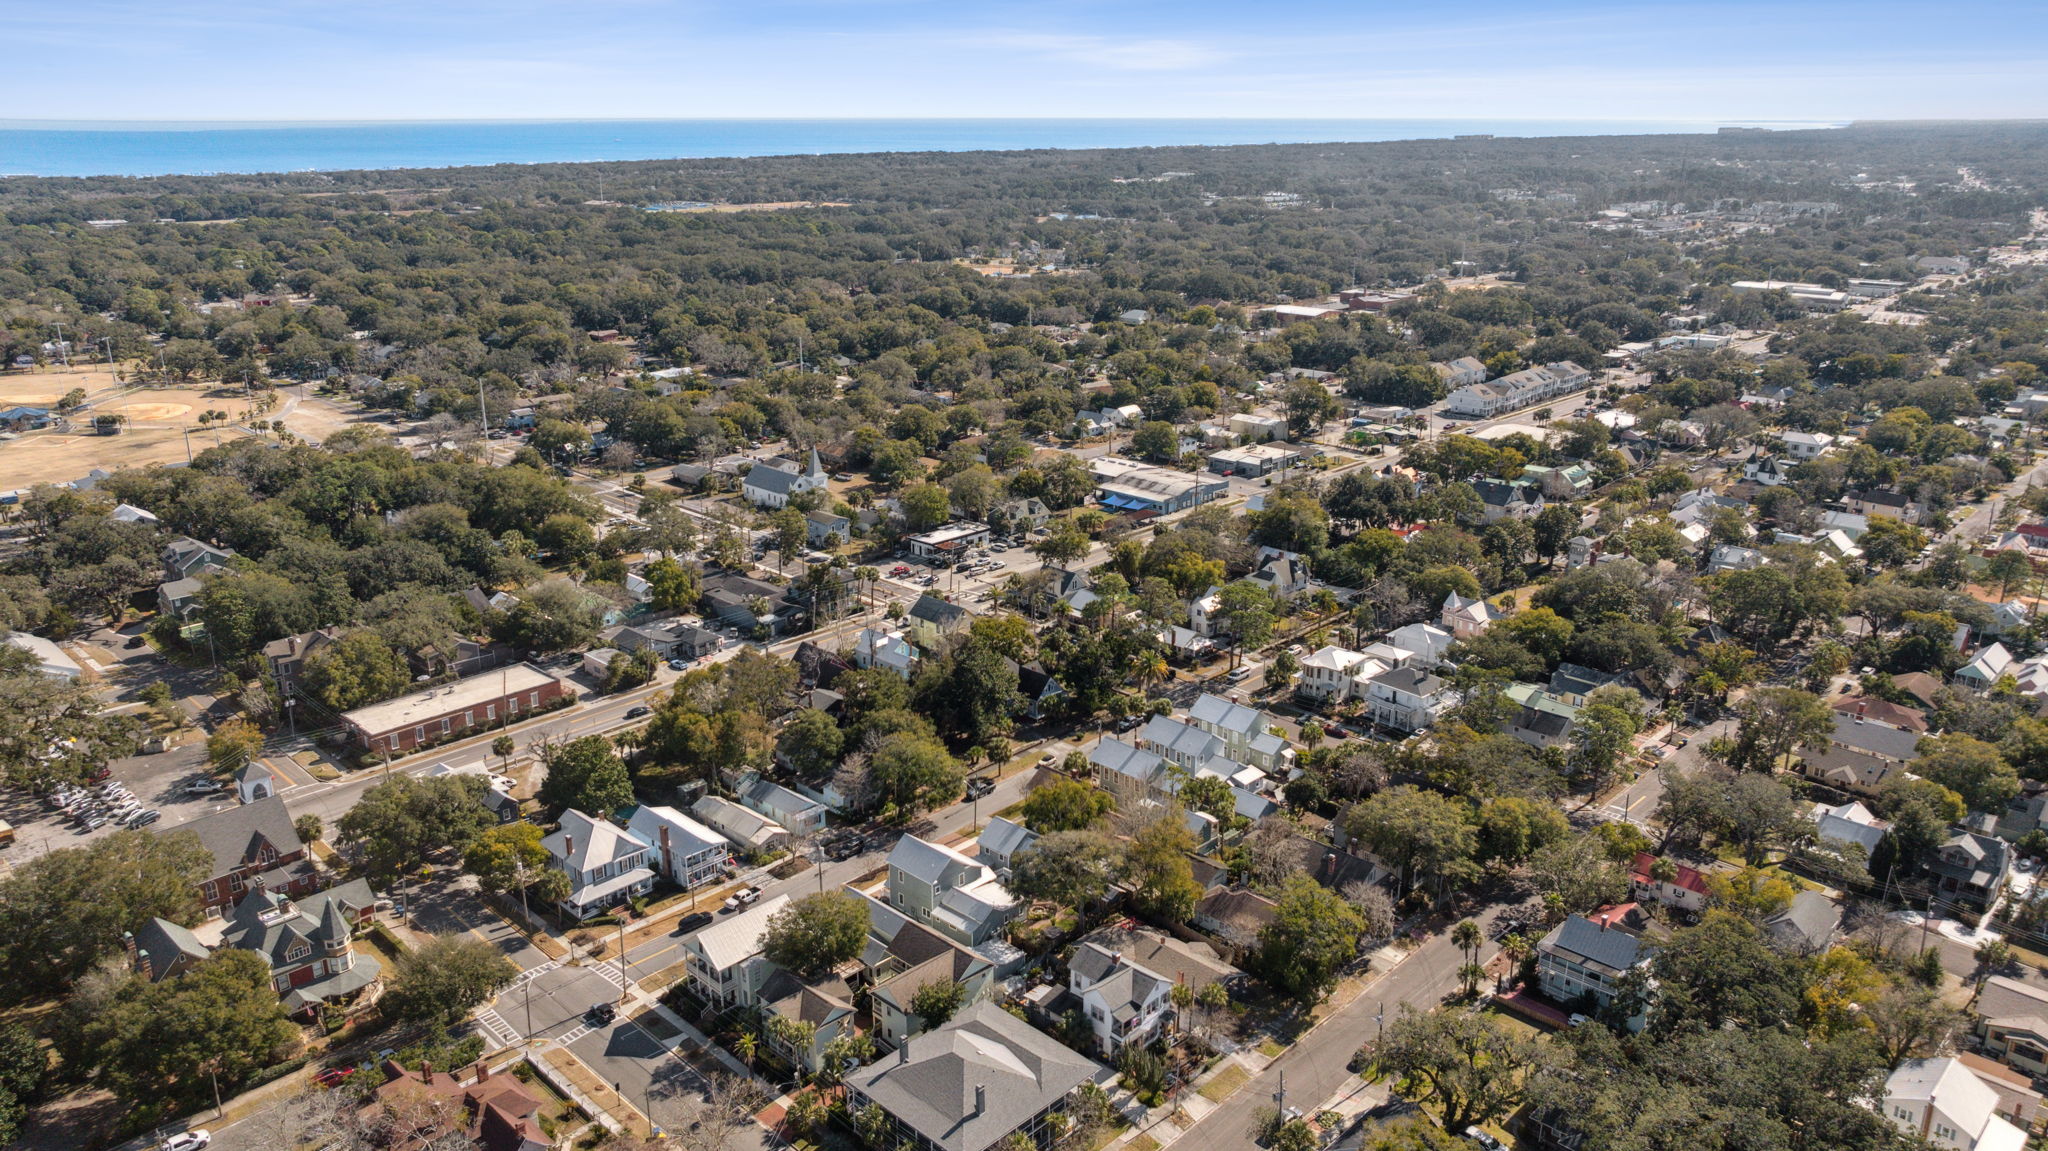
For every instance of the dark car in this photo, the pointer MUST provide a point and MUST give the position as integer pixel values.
(695, 921)
(601, 1014)
(980, 786)
(638, 711)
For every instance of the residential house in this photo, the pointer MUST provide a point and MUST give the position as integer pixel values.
(1850, 770)
(877, 647)
(943, 889)
(1846, 824)
(1807, 927)
(1465, 618)
(1569, 482)
(1970, 872)
(50, 659)
(178, 598)
(1126, 768)
(1883, 711)
(902, 957)
(1017, 516)
(825, 529)
(1122, 980)
(1734, 558)
(1246, 732)
(287, 657)
(970, 1085)
(1522, 389)
(1872, 738)
(252, 845)
(1686, 888)
(749, 830)
(1803, 446)
(1575, 683)
(1427, 641)
(685, 852)
(1943, 1103)
(1407, 699)
(742, 602)
(822, 1007)
(606, 864)
(493, 1112)
(1983, 671)
(1281, 574)
(1766, 470)
(2012, 1022)
(1235, 915)
(1462, 372)
(1331, 674)
(186, 558)
(800, 815)
(669, 639)
(771, 486)
(932, 620)
(1519, 499)
(1884, 502)
(1583, 961)
(306, 942)
(1001, 840)
(724, 961)
(1544, 720)
(1039, 693)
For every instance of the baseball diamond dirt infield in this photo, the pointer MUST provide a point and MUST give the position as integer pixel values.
(160, 424)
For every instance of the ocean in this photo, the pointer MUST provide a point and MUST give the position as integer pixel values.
(57, 148)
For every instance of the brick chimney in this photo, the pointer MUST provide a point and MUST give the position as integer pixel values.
(668, 862)
(483, 1071)
(568, 845)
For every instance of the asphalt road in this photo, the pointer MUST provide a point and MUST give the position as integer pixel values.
(1318, 1065)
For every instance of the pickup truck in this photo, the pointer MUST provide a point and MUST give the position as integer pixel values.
(744, 897)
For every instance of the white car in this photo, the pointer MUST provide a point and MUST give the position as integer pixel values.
(188, 1140)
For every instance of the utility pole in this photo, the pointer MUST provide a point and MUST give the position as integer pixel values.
(622, 962)
(63, 348)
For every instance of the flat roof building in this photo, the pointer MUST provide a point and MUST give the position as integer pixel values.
(950, 540)
(481, 701)
(1126, 485)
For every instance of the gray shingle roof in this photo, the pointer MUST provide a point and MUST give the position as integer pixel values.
(932, 1089)
(1877, 739)
(236, 835)
(1609, 947)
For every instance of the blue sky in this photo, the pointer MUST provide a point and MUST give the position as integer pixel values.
(523, 59)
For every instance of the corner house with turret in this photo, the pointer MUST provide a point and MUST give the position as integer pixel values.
(306, 941)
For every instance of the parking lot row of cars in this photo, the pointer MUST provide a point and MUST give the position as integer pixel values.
(96, 806)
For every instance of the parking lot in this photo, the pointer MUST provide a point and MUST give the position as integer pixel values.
(156, 781)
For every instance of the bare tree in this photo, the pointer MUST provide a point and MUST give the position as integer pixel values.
(1376, 907)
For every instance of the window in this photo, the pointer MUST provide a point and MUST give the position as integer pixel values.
(1943, 1132)
(419, 734)
(298, 951)
(469, 718)
(511, 704)
(444, 725)
(533, 698)
(490, 712)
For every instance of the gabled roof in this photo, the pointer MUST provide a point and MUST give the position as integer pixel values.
(1005, 838)
(1125, 759)
(1216, 711)
(686, 836)
(585, 842)
(1611, 948)
(934, 863)
(1875, 738)
(161, 944)
(236, 835)
(738, 938)
(937, 612)
(1688, 878)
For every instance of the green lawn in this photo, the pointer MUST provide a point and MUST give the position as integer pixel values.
(1226, 1083)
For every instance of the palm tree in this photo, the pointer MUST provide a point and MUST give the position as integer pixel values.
(1518, 948)
(1468, 937)
(1151, 669)
(744, 1047)
(1471, 974)
(1182, 996)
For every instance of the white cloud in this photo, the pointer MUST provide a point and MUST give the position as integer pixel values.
(1130, 55)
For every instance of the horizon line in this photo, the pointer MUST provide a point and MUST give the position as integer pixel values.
(45, 123)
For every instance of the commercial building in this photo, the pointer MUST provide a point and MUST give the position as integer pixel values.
(1812, 297)
(948, 542)
(1258, 459)
(399, 725)
(1126, 485)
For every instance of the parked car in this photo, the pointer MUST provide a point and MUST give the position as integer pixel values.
(695, 921)
(744, 897)
(678, 664)
(1578, 1020)
(145, 818)
(1476, 1135)
(979, 786)
(334, 1076)
(601, 1014)
(1130, 722)
(1240, 674)
(188, 1140)
(1049, 758)
(900, 570)
(203, 786)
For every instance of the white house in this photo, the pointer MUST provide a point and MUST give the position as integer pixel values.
(1804, 446)
(1847, 823)
(770, 486)
(606, 864)
(1427, 641)
(874, 647)
(1246, 732)
(1943, 1102)
(1123, 1002)
(725, 961)
(1407, 699)
(1517, 390)
(1330, 672)
(684, 850)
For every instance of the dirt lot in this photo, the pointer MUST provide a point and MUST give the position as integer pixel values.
(161, 423)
